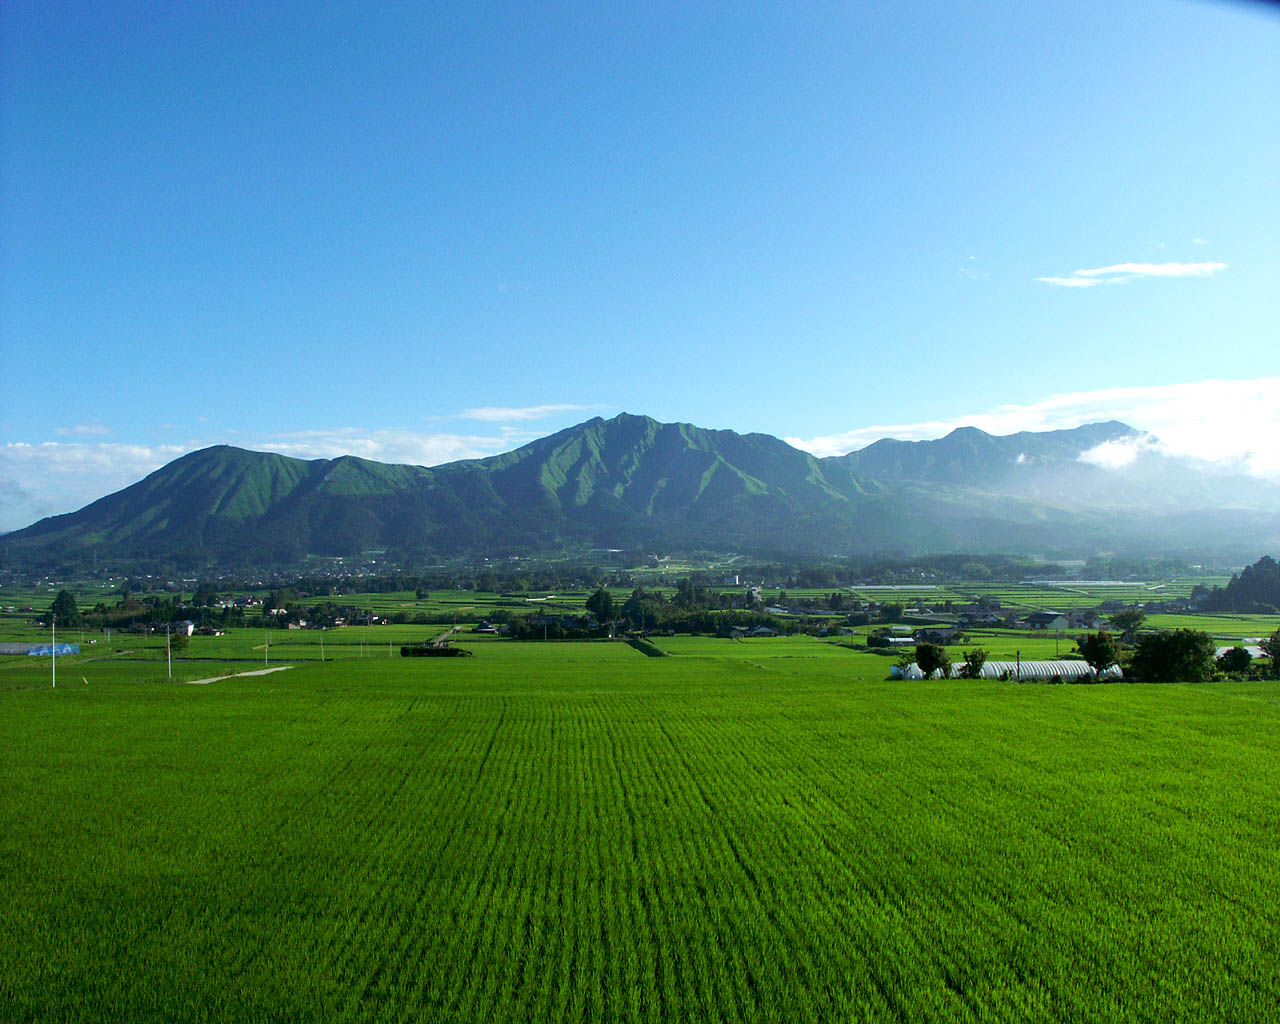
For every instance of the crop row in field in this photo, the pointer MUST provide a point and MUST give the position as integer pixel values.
(747, 831)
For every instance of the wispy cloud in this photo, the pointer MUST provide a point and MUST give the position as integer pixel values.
(60, 476)
(84, 430)
(398, 446)
(1230, 421)
(1120, 273)
(505, 414)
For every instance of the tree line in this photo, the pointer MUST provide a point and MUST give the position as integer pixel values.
(1254, 590)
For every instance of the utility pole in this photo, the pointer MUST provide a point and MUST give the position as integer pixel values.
(53, 650)
(168, 648)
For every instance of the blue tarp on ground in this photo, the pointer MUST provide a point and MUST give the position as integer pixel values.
(46, 650)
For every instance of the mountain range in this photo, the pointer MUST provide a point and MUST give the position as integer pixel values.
(632, 482)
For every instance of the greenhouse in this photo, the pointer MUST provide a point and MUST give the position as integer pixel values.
(1018, 670)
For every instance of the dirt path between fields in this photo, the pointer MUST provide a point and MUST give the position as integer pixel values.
(237, 675)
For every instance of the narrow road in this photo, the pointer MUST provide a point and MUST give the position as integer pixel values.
(237, 675)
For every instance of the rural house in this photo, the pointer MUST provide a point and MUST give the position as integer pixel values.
(1046, 620)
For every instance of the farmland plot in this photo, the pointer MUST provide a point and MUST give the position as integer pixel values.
(740, 831)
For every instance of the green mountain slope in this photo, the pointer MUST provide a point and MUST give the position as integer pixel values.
(632, 481)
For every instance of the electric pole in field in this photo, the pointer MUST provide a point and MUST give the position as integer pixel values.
(53, 650)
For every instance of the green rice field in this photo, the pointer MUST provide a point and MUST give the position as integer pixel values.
(740, 831)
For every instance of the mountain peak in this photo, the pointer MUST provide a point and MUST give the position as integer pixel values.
(632, 481)
(969, 456)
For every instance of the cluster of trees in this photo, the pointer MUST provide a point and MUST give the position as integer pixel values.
(1255, 590)
(154, 610)
(64, 609)
(1121, 568)
(934, 659)
(1173, 655)
(692, 609)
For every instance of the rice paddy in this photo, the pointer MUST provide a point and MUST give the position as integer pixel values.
(741, 831)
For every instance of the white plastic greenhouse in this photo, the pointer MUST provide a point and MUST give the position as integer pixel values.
(1018, 670)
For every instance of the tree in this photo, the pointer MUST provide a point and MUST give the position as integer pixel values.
(1257, 586)
(1128, 619)
(1271, 648)
(279, 599)
(933, 658)
(178, 641)
(1235, 660)
(973, 662)
(600, 604)
(1100, 650)
(1180, 655)
(891, 611)
(206, 596)
(64, 609)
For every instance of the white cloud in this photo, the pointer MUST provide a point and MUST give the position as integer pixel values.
(1072, 282)
(1123, 451)
(1229, 421)
(84, 430)
(501, 414)
(61, 476)
(397, 446)
(1119, 273)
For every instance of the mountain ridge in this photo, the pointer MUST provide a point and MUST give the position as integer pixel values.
(633, 481)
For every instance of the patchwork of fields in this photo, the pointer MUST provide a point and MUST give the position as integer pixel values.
(741, 831)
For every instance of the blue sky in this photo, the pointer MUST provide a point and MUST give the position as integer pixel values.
(432, 233)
